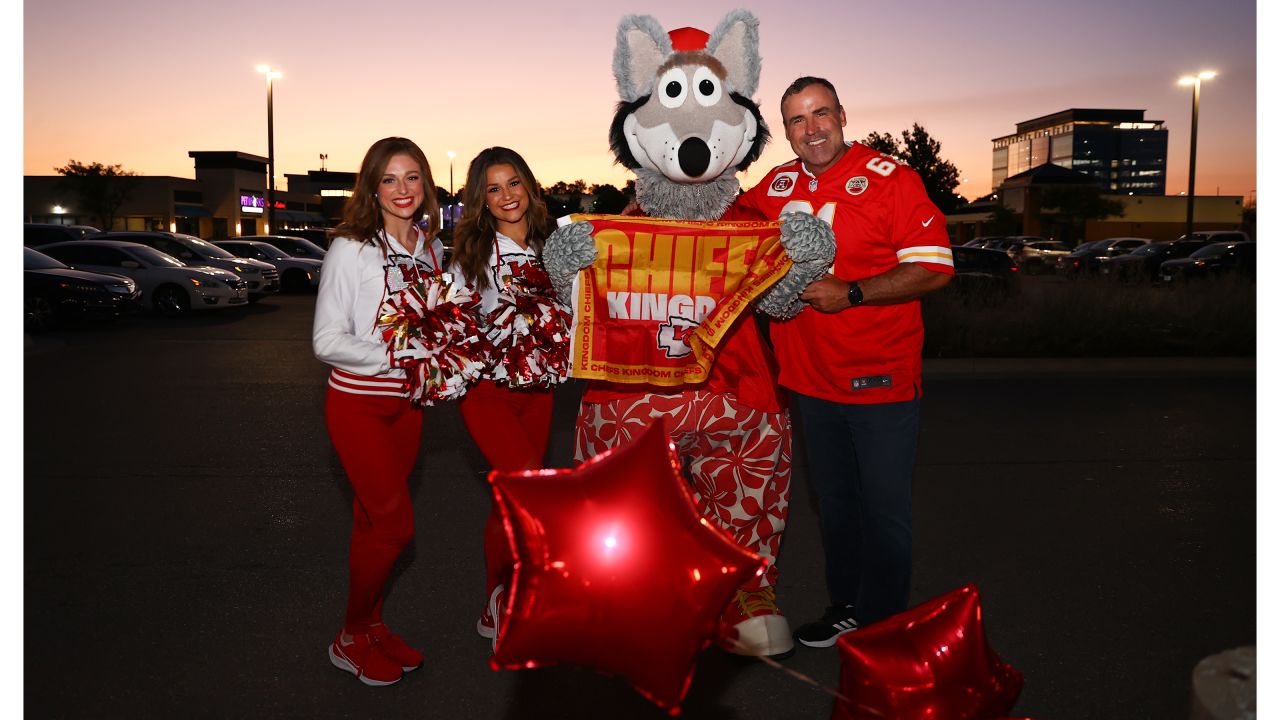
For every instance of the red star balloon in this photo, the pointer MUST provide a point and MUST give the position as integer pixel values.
(615, 569)
(927, 663)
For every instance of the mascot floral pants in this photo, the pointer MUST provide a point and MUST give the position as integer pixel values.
(738, 459)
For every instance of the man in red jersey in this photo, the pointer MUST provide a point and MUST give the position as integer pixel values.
(852, 354)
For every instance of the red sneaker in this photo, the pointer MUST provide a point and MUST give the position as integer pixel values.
(361, 658)
(395, 648)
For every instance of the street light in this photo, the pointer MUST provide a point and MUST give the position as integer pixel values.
(451, 155)
(1194, 81)
(271, 147)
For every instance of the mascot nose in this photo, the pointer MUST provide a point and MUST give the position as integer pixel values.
(695, 156)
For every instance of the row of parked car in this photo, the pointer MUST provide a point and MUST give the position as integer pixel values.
(1129, 259)
(986, 266)
(72, 271)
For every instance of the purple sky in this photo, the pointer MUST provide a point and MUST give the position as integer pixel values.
(140, 83)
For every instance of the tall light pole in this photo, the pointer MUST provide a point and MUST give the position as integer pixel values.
(451, 155)
(271, 147)
(1194, 82)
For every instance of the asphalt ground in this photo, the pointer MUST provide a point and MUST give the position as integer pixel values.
(186, 521)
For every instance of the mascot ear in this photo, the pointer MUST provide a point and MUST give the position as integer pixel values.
(736, 44)
(642, 48)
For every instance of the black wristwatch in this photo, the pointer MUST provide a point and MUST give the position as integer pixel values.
(855, 295)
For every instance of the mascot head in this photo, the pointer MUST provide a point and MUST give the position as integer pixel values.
(686, 111)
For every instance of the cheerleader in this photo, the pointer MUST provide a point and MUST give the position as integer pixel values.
(387, 239)
(497, 250)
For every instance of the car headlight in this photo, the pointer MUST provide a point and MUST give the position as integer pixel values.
(205, 282)
(123, 288)
(244, 270)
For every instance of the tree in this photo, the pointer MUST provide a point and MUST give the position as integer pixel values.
(884, 142)
(920, 152)
(1070, 206)
(101, 190)
(609, 199)
(577, 187)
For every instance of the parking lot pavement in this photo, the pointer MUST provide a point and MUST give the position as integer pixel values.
(186, 523)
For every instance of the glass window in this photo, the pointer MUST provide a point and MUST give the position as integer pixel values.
(33, 260)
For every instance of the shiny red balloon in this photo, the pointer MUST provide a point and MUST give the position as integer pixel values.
(931, 662)
(615, 569)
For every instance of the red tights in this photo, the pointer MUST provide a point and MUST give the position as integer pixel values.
(376, 438)
(511, 428)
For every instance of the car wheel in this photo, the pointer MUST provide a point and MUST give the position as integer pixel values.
(295, 281)
(171, 301)
(37, 313)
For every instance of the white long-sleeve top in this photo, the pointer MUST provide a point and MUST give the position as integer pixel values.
(354, 281)
(509, 251)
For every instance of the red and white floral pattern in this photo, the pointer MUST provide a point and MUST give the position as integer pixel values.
(737, 458)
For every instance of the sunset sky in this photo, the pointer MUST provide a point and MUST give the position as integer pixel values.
(142, 82)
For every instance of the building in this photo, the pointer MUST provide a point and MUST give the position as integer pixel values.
(1124, 152)
(226, 199)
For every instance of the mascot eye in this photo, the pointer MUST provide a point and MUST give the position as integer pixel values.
(709, 92)
(675, 88)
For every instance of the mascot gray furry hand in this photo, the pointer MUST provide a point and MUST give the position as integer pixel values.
(686, 125)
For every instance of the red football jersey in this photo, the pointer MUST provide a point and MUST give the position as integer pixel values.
(882, 217)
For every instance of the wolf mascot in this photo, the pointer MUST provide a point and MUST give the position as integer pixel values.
(686, 125)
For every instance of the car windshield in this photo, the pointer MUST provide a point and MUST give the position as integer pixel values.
(32, 260)
(1087, 247)
(301, 247)
(152, 256)
(1210, 251)
(271, 251)
(206, 249)
(1153, 249)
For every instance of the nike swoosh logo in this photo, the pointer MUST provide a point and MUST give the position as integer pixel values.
(925, 223)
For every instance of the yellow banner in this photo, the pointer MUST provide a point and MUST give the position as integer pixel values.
(663, 293)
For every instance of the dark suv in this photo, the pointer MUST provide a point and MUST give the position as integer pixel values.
(36, 234)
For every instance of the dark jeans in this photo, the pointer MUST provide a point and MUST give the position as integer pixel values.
(861, 461)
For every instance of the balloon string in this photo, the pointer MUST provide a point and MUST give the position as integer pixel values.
(797, 675)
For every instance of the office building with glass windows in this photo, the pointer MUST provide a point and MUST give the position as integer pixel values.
(1122, 150)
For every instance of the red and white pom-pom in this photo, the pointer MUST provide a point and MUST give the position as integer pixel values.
(528, 333)
(431, 331)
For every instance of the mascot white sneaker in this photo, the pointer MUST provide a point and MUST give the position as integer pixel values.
(686, 125)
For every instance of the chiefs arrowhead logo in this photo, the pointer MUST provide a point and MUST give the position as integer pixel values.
(673, 336)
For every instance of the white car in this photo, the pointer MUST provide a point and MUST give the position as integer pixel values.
(263, 278)
(296, 273)
(168, 285)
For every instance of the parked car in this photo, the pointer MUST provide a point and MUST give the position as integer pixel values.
(1084, 260)
(37, 234)
(263, 278)
(53, 292)
(1238, 259)
(981, 275)
(1143, 265)
(1038, 256)
(1217, 236)
(296, 273)
(982, 240)
(295, 246)
(169, 286)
